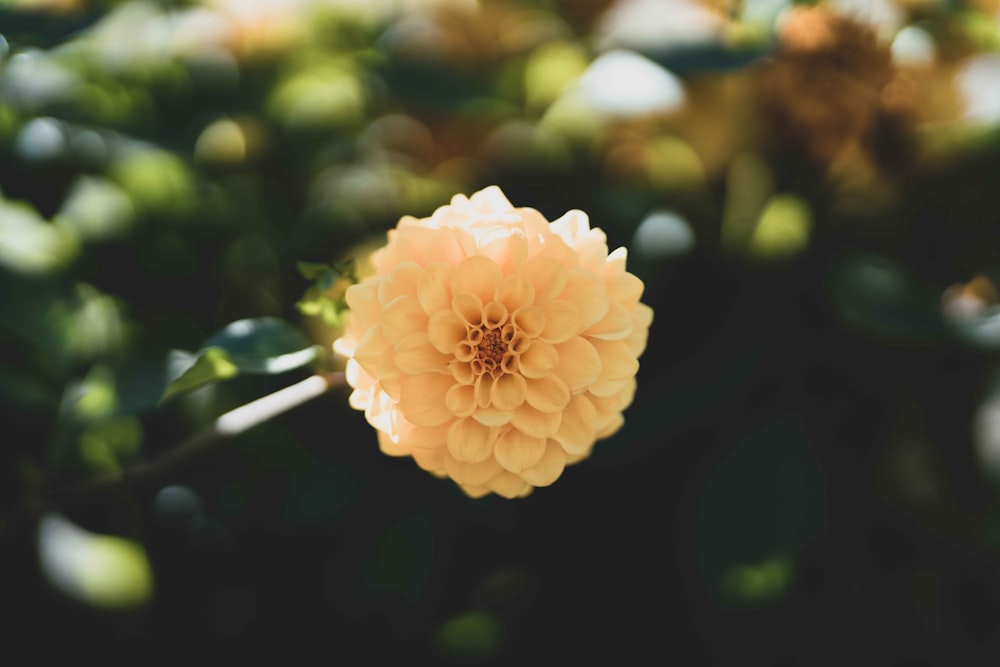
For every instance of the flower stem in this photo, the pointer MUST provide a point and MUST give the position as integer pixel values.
(229, 424)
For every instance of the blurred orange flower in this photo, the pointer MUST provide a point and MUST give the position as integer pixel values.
(493, 346)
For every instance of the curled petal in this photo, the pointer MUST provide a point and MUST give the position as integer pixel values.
(516, 451)
(422, 398)
(549, 467)
(470, 442)
(415, 354)
(530, 320)
(469, 308)
(579, 363)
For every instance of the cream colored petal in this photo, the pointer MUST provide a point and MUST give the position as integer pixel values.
(415, 354)
(401, 317)
(578, 427)
(446, 246)
(554, 247)
(617, 362)
(471, 442)
(548, 394)
(390, 447)
(506, 247)
(509, 485)
(585, 291)
(472, 474)
(461, 400)
(562, 320)
(469, 308)
(616, 261)
(362, 299)
(421, 398)
(407, 244)
(579, 364)
(433, 288)
(401, 281)
(476, 275)
(547, 277)
(549, 467)
(484, 389)
(515, 292)
(538, 360)
(534, 223)
(445, 330)
(508, 392)
(615, 325)
(515, 450)
(491, 417)
(624, 288)
(494, 315)
(535, 422)
(571, 225)
(371, 350)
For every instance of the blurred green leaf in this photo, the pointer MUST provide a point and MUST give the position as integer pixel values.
(29, 244)
(266, 345)
(207, 366)
(783, 229)
(474, 634)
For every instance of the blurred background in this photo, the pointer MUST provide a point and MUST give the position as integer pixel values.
(808, 475)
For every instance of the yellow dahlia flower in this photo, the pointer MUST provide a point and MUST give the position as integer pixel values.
(493, 346)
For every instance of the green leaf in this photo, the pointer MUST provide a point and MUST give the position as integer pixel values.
(265, 345)
(207, 366)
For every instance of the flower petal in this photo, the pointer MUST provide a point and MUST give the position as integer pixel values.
(468, 307)
(509, 485)
(579, 364)
(617, 362)
(401, 281)
(547, 394)
(402, 316)
(415, 354)
(445, 330)
(476, 275)
(535, 422)
(515, 292)
(421, 398)
(585, 291)
(491, 417)
(562, 320)
(515, 450)
(530, 320)
(473, 474)
(549, 467)
(538, 360)
(371, 350)
(615, 325)
(471, 442)
(508, 392)
(507, 247)
(461, 400)
(547, 276)
(447, 245)
(578, 427)
(624, 288)
(433, 291)
(362, 299)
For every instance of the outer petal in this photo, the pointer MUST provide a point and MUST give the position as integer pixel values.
(422, 398)
(535, 422)
(615, 325)
(585, 291)
(509, 485)
(433, 291)
(476, 275)
(562, 320)
(516, 451)
(578, 427)
(548, 394)
(579, 363)
(472, 474)
(402, 316)
(415, 354)
(470, 442)
(547, 276)
(549, 467)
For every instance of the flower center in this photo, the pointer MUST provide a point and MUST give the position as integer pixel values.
(492, 347)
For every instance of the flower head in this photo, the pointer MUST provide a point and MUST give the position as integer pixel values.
(493, 346)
